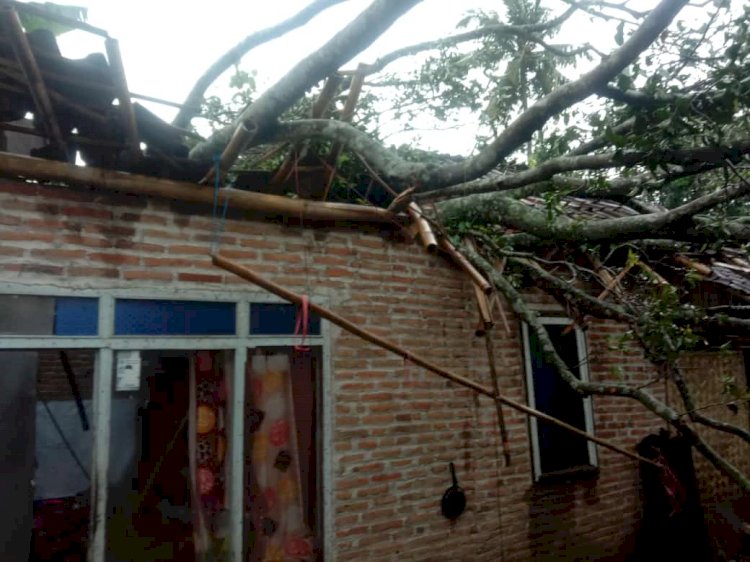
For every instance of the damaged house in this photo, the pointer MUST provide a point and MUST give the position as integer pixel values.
(196, 372)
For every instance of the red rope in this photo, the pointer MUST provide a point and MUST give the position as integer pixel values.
(303, 323)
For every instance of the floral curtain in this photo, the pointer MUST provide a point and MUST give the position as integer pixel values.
(278, 529)
(208, 449)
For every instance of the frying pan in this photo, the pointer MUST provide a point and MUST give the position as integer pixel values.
(454, 499)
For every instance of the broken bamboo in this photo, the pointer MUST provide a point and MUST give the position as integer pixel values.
(249, 275)
(14, 165)
(33, 76)
(426, 235)
(464, 264)
(701, 268)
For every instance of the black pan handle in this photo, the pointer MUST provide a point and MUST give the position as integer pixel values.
(453, 475)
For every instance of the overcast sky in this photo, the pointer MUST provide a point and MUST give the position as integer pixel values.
(167, 45)
(165, 48)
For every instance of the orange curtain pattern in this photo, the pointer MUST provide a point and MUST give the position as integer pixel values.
(278, 526)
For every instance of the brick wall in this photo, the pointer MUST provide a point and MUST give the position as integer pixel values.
(705, 374)
(52, 383)
(396, 426)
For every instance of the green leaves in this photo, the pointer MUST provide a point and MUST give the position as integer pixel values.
(32, 22)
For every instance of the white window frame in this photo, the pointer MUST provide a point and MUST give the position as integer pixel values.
(106, 344)
(583, 370)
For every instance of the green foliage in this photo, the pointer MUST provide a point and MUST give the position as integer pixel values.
(32, 22)
(495, 77)
(219, 112)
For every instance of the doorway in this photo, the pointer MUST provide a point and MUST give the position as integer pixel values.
(170, 438)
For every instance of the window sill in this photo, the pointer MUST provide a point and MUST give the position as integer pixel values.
(572, 474)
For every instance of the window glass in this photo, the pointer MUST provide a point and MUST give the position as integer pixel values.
(558, 448)
(75, 316)
(170, 317)
(278, 319)
(31, 315)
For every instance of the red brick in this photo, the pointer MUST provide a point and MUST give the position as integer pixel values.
(90, 241)
(238, 254)
(87, 212)
(186, 249)
(28, 236)
(147, 275)
(11, 251)
(58, 254)
(117, 259)
(199, 278)
(93, 272)
(167, 262)
(127, 244)
(282, 257)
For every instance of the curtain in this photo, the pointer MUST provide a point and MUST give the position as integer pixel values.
(207, 444)
(279, 532)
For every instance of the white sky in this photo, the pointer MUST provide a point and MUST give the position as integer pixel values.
(165, 49)
(167, 45)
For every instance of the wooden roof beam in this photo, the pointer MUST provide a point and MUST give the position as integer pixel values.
(13, 165)
(33, 75)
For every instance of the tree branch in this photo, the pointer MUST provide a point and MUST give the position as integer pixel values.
(525, 31)
(192, 103)
(494, 208)
(695, 415)
(592, 305)
(659, 408)
(256, 119)
(687, 158)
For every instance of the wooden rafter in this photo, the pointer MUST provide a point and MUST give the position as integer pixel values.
(355, 89)
(127, 114)
(33, 76)
(319, 110)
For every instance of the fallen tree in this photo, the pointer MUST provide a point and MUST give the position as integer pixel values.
(659, 121)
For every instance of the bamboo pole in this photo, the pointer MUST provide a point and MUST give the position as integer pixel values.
(426, 235)
(249, 275)
(33, 76)
(489, 344)
(319, 110)
(703, 269)
(15, 165)
(464, 264)
(401, 201)
(483, 304)
(127, 114)
(355, 89)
